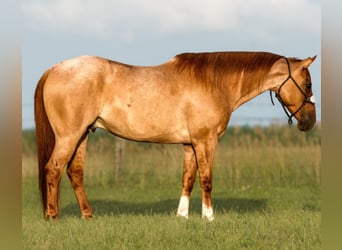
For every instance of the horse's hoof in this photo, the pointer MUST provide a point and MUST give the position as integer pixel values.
(49, 217)
(87, 216)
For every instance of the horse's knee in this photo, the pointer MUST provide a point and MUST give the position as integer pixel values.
(206, 183)
(188, 182)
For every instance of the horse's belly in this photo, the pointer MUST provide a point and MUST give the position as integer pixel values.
(160, 128)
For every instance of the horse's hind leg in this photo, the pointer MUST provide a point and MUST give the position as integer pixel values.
(189, 175)
(61, 155)
(75, 173)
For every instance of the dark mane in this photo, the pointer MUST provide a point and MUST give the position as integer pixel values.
(212, 69)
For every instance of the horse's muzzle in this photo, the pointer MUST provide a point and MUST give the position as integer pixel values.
(307, 122)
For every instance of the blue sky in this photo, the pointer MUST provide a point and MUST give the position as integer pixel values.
(150, 32)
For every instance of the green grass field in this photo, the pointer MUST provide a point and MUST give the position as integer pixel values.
(266, 196)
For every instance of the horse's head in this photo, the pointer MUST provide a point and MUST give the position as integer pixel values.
(295, 93)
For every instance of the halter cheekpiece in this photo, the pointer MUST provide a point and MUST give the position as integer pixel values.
(307, 99)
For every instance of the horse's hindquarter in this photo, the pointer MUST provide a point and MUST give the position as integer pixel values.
(72, 94)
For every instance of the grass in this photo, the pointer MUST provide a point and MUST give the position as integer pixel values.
(266, 196)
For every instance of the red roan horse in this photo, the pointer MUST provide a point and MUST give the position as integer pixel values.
(187, 100)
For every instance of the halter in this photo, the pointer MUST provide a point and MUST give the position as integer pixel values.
(307, 99)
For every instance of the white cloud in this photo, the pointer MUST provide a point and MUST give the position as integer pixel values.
(78, 16)
(124, 18)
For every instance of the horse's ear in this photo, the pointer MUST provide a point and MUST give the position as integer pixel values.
(306, 62)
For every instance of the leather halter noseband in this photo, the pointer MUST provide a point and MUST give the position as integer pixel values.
(307, 99)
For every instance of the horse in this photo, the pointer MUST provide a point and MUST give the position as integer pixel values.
(187, 100)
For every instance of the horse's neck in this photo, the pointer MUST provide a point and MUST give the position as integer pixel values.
(247, 90)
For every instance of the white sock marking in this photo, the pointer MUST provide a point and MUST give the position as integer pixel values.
(183, 207)
(207, 212)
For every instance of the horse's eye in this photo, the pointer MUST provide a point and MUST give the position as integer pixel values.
(308, 86)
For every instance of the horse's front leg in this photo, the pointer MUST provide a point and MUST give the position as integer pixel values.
(189, 175)
(205, 152)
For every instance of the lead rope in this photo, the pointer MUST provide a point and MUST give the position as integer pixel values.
(271, 98)
(290, 122)
(278, 94)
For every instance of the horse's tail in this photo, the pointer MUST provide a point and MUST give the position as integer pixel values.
(45, 138)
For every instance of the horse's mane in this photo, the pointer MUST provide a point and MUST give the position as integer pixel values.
(213, 69)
